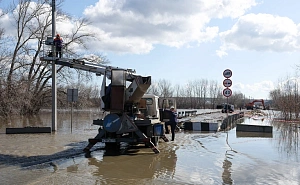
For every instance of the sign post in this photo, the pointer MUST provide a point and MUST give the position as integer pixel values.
(72, 95)
(227, 73)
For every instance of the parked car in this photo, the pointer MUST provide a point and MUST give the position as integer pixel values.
(228, 108)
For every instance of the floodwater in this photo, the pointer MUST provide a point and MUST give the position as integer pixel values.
(225, 157)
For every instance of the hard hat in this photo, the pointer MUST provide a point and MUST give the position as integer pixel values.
(172, 107)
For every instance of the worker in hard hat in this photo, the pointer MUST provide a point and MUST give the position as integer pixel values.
(172, 122)
(58, 43)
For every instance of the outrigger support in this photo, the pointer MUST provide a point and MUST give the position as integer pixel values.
(142, 136)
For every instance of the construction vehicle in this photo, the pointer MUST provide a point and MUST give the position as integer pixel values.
(251, 105)
(133, 117)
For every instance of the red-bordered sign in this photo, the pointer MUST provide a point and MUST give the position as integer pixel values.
(227, 92)
(227, 73)
(227, 83)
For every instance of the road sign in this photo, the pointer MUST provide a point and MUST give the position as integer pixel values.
(227, 82)
(72, 95)
(227, 73)
(227, 92)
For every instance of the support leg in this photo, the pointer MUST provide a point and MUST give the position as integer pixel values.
(94, 141)
(143, 136)
(165, 138)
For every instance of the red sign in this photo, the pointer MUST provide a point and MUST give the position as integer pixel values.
(227, 92)
(227, 82)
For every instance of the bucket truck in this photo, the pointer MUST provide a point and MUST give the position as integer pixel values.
(133, 116)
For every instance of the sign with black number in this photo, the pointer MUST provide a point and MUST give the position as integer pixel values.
(227, 92)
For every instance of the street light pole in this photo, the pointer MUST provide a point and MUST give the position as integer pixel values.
(54, 89)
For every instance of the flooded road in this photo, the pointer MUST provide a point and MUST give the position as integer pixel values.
(224, 157)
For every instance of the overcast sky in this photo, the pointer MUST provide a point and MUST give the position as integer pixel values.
(184, 40)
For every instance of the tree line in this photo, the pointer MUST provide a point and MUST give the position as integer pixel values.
(286, 98)
(196, 94)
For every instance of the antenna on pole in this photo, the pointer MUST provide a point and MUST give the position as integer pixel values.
(54, 89)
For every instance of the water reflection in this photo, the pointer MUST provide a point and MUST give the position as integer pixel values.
(81, 119)
(22, 121)
(73, 168)
(288, 137)
(145, 165)
(226, 175)
(254, 134)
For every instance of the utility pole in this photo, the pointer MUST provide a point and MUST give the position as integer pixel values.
(54, 89)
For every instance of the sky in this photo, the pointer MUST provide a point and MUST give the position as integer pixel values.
(181, 40)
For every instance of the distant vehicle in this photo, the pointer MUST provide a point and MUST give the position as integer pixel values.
(250, 106)
(220, 106)
(228, 108)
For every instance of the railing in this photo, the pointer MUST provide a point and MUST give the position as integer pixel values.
(187, 113)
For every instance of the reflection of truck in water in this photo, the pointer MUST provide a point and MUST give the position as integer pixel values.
(133, 169)
(227, 108)
(133, 116)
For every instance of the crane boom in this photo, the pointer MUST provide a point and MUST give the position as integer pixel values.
(98, 69)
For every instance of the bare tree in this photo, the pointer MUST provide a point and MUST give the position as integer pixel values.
(165, 88)
(197, 91)
(27, 84)
(286, 98)
(180, 96)
(204, 88)
(214, 91)
(153, 89)
(189, 94)
(236, 99)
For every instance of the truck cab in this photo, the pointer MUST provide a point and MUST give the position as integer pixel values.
(149, 108)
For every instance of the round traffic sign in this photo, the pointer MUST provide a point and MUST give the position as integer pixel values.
(227, 73)
(227, 82)
(227, 92)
